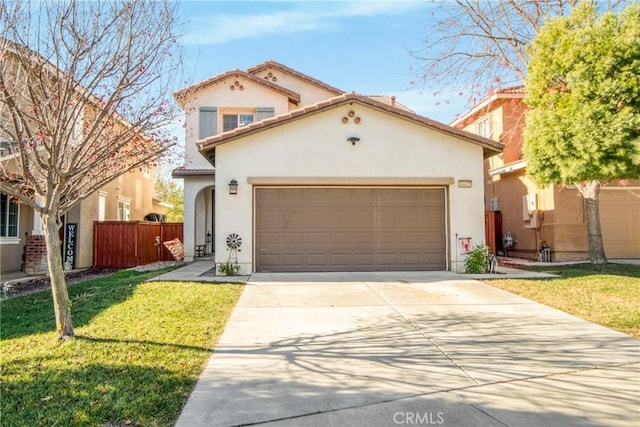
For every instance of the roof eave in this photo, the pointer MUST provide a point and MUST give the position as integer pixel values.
(521, 164)
(489, 146)
(180, 95)
(485, 103)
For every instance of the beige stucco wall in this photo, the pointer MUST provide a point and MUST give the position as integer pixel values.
(220, 96)
(11, 251)
(317, 146)
(309, 93)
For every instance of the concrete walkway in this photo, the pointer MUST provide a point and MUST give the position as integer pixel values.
(201, 271)
(387, 349)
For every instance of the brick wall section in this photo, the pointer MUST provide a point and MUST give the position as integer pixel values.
(36, 255)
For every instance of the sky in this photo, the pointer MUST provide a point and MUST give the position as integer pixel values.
(361, 46)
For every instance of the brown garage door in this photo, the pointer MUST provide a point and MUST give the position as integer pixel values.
(620, 221)
(350, 229)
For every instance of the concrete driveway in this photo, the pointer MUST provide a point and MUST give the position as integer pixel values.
(389, 349)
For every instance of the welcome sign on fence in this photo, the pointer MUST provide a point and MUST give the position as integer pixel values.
(70, 244)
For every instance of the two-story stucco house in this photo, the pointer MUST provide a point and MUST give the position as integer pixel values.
(127, 198)
(553, 215)
(311, 178)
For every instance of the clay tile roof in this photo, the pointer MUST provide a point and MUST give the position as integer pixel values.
(484, 105)
(287, 70)
(182, 171)
(180, 94)
(511, 89)
(490, 147)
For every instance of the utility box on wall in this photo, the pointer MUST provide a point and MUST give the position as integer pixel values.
(529, 206)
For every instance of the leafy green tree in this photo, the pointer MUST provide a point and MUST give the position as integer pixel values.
(171, 192)
(583, 87)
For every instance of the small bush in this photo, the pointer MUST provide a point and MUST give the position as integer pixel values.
(476, 262)
(228, 269)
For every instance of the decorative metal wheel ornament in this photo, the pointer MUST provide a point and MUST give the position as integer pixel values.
(234, 241)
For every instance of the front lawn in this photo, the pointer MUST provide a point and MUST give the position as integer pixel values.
(138, 351)
(609, 296)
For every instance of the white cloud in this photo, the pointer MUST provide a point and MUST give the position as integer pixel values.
(307, 16)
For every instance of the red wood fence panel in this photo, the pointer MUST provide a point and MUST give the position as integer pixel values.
(493, 230)
(147, 247)
(123, 244)
(169, 231)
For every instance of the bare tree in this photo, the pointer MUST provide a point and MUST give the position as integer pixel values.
(481, 44)
(85, 95)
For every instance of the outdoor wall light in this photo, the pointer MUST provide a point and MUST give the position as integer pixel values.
(233, 187)
(353, 140)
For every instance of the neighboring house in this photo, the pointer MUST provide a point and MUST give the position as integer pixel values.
(314, 179)
(553, 215)
(127, 198)
(22, 244)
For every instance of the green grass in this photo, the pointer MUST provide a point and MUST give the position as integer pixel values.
(609, 295)
(138, 351)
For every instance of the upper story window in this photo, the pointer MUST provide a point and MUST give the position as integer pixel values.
(9, 215)
(232, 121)
(146, 170)
(124, 209)
(483, 127)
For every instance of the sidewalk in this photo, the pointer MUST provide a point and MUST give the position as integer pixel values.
(201, 270)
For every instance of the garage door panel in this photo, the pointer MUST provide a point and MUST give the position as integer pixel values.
(289, 259)
(360, 237)
(363, 259)
(316, 238)
(269, 239)
(292, 238)
(347, 229)
(340, 259)
(316, 259)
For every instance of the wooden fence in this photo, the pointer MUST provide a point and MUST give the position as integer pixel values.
(493, 231)
(122, 244)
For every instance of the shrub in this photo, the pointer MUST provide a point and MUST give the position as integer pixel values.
(476, 262)
(228, 269)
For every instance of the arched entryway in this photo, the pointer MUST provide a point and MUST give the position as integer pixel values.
(199, 218)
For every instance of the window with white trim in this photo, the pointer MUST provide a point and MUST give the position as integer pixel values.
(146, 170)
(232, 121)
(102, 205)
(483, 127)
(9, 216)
(124, 209)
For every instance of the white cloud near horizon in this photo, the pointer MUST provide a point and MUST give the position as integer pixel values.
(303, 17)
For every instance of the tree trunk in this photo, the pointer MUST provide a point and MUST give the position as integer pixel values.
(590, 190)
(61, 303)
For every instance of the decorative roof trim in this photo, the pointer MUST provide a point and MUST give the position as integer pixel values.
(287, 70)
(180, 94)
(490, 146)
